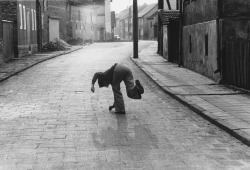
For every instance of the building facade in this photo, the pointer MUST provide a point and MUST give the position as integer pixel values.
(216, 39)
(145, 21)
(18, 29)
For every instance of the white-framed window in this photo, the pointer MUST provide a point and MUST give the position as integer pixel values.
(141, 32)
(32, 19)
(24, 17)
(42, 21)
(35, 20)
(21, 15)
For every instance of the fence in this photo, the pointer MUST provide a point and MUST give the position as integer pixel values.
(236, 64)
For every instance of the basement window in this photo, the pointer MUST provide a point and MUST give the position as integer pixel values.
(190, 44)
(206, 45)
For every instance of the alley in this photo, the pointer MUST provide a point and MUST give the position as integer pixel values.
(49, 119)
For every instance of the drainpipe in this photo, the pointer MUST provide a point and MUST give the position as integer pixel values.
(135, 28)
(219, 56)
(180, 33)
(160, 36)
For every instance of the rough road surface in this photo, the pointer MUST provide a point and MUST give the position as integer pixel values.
(51, 120)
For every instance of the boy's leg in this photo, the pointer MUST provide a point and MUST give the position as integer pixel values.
(131, 87)
(118, 98)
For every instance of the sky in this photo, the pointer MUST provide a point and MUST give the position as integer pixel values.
(119, 5)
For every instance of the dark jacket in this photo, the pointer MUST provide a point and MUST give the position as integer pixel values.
(106, 76)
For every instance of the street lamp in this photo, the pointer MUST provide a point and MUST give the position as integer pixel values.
(135, 28)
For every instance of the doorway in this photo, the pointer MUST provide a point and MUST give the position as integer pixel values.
(8, 46)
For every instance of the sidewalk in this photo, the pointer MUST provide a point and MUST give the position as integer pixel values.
(18, 65)
(224, 107)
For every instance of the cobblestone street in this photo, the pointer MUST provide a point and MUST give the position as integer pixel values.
(49, 119)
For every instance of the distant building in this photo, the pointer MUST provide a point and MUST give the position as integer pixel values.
(27, 25)
(145, 23)
(147, 16)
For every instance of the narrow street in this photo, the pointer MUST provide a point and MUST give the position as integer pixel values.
(49, 119)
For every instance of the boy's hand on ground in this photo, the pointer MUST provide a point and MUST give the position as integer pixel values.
(111, 107)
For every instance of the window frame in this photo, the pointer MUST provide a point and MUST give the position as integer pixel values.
(24, 18)
(21, 16)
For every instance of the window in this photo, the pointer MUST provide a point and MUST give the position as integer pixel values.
(79, 15)
(44, 5)
(35, 19)
(206, 45)
(24, 17)
(141, 21)
(190, 44)
(42, 20)
(151, 24)
(21, 15)
(32, 19)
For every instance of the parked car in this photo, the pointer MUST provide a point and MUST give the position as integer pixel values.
(116, 37)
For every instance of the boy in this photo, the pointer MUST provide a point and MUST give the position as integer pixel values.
(114, 76)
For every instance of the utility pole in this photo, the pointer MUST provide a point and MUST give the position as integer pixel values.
(135, 28)
(160, 35)
(180, 33)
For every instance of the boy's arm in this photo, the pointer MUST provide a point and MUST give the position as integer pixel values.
(95, 77)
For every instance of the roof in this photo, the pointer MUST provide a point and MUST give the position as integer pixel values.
(167, 15)
(153, 15)
(146, 10)
(125, 13)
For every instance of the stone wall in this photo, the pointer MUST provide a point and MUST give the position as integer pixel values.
(8, 12)
(235, 8)
(200, 11)
(194, 48)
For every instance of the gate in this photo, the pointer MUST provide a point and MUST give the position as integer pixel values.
(173, 42)
(53, 29)
(8, 47)
(236, 64)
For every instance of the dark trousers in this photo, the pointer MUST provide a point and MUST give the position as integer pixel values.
(123, 73)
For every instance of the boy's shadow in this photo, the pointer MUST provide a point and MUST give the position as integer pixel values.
(137, 140)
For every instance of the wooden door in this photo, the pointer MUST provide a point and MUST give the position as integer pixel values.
(8, 46)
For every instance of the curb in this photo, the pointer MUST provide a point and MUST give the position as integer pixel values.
(37, 62)
(222, 124)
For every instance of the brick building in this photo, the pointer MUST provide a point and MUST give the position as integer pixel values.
(27, 25)
(18, 30)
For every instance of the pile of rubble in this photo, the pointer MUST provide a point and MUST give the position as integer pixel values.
(76, 41)
(56, 45)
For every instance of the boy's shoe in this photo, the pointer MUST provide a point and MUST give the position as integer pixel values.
(139, 86)
(120, 112)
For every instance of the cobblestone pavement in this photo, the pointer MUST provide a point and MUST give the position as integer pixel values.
(51, 120)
